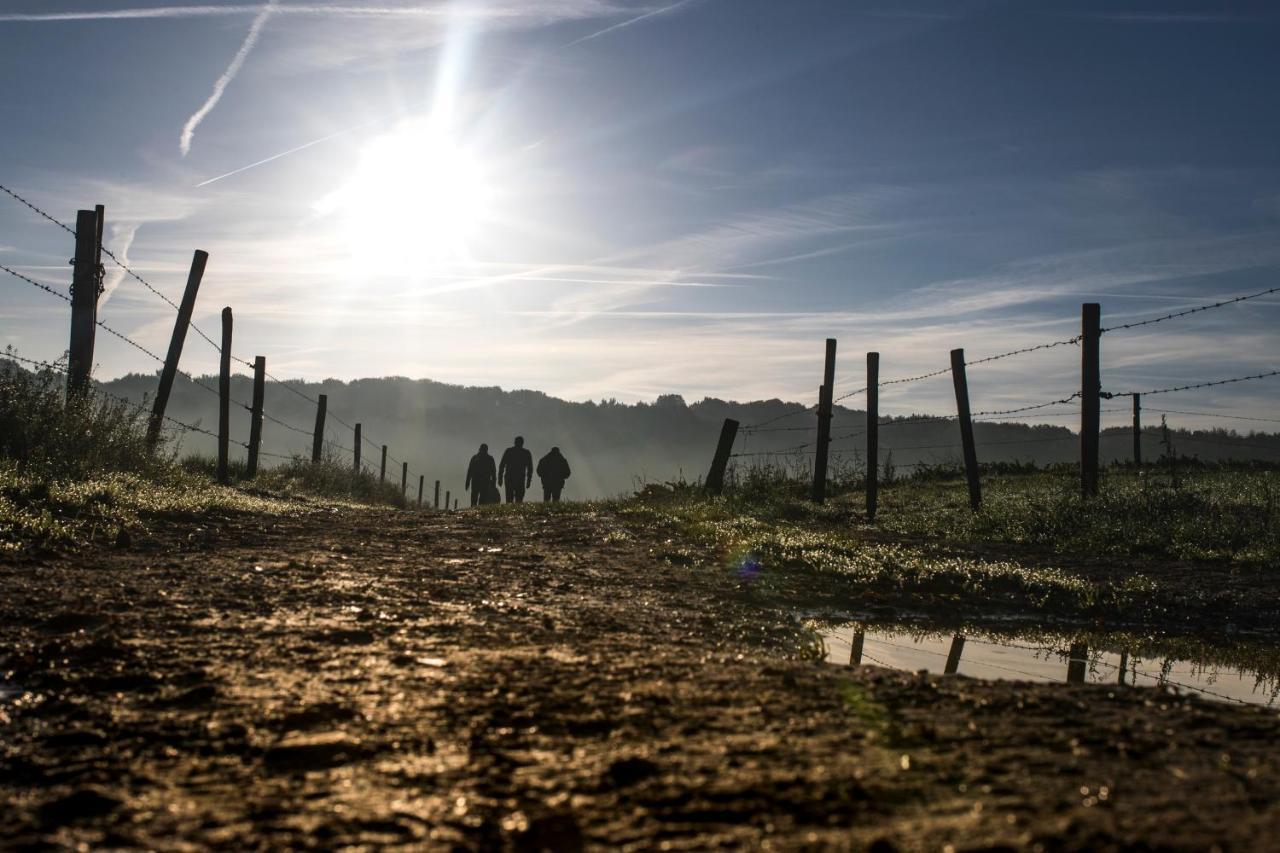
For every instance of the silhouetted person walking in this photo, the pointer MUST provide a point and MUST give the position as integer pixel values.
(480, 476)
(553, 470)
(516, 468)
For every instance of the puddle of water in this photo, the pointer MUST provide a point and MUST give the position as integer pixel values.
(1061, 658)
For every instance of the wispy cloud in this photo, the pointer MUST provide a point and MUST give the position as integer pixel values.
(637, 19)
(220, 85)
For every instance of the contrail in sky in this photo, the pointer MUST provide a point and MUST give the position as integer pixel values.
(203, 11)
(220, 86)
(630, 21)
(290, 151)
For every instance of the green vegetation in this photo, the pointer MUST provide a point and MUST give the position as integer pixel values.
(78, 471)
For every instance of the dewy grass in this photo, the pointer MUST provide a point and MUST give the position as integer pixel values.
(81, 470)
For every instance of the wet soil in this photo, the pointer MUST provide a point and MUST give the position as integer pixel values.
(531, 681)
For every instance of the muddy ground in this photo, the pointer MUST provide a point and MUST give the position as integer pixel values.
(527, 681)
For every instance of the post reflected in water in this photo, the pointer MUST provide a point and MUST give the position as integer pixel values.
(1124, 664)
(855, 648)
(953, 656)
(1078, 663)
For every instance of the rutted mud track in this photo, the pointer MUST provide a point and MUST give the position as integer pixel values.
(546, 681)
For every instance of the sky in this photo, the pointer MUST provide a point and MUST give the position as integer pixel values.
(617, 199)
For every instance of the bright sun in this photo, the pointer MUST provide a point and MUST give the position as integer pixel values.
(415, 196)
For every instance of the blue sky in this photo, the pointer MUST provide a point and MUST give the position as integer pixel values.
(622, 199)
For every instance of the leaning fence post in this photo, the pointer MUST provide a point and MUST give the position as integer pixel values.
(180, 326)
(953, 656)
(961, 382)
(715, 477)
(86, 287)
(1090, 394)
(224, 398)
(435, 503)
(873, 433)
(317, 437)
(382, 474)
(357, 451)
(855, 648)
(255, 414)
(823, 445)
(422, 479)
(1137, 430)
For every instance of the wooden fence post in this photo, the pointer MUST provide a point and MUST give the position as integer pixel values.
(435, 503)
(180, 326)
(873, 433)
(1137, 430)
(404, 478)
(382, 474)
(823, 446)
(1090, 396)
(961, 382)
(86, 287)
(224, 399)
(855, 648)
(1077, 663)
(455, 504)
(357, 450)
(422, 480)
(446, 500)
(953, 656)
(255, 414)
(715, 477)
(317, 437)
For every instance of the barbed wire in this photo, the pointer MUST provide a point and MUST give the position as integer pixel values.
(991, 412)
(1184, 436)
(46, 288)
(1210, 414)
(1196, 310)
(276, 420)
(1110, 394)
(19, 198)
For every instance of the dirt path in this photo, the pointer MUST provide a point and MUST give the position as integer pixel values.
(546, 682)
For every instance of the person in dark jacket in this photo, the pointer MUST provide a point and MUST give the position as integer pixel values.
(480, 476)
(553, 470)
(516, 468)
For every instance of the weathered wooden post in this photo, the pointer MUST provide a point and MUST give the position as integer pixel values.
(715, 477)
(382, 473)
(1124, 665)
(86, 287)
(255, 414)
(855, 648)
(873, 433)
(953, 656)
(455, 504)
(823, 447)
(357, 450)
(1090, 394)
(961, 382)
(317, 437)
(1137, 430)
(176, 342)
(1077, 663)
(422, 480)
(224, 399)
(446, 500)
(435, 503)
(404, 478)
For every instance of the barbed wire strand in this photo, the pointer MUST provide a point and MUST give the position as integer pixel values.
(1199, 308)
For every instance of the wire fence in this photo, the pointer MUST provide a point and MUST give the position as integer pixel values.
(771, 425)
(233, 357)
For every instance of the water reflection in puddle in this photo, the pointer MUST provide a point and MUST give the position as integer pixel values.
(1048, 658)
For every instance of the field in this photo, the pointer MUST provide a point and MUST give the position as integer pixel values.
(283, 664)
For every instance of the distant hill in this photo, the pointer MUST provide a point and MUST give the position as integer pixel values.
(614, 447)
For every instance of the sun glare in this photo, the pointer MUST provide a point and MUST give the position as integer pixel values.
(415, 196)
